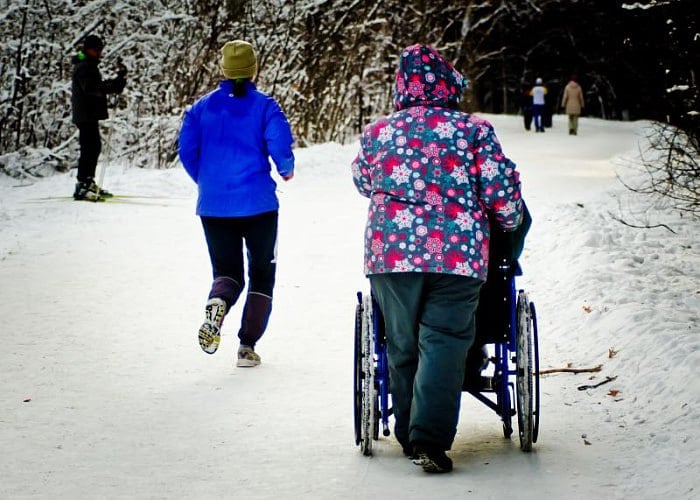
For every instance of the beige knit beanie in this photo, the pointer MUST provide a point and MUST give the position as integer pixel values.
(238, 60)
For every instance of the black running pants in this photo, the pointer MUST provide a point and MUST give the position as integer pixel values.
(226, 237)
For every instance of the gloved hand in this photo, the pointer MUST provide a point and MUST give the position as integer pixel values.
(288, 177)
(121, 69)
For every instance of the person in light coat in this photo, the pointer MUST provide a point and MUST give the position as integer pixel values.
(573, 104)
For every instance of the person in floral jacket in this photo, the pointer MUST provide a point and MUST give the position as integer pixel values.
(433, 175)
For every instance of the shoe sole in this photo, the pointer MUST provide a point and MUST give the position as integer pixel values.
(429, 465)
(434, 468)
(210, 331)
(209, 338)
(246, 363)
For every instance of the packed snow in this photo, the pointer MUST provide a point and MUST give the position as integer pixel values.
(105, 392)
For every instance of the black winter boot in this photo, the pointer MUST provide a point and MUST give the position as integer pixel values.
(431, 458)
(101, 192)
(83, 192)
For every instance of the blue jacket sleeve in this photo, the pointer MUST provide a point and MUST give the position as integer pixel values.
(278, 138)
(189, 143)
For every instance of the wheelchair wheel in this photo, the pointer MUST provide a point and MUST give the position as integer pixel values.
(357, 371)
(524, 373)
(536, 344)
(368, 393)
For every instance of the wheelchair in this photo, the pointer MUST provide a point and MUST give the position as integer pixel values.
(502, 366)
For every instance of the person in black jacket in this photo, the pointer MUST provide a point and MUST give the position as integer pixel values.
(89, 103)
(526, 105)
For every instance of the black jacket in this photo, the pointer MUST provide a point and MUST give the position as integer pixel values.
(89, 91)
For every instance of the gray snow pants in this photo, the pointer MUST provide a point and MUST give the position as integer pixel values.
(429, 322)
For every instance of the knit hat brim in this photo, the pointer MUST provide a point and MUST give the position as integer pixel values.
(236, 73)
(238, 60)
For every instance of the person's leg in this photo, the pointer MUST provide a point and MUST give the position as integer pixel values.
(445, 334)
(398, 296)
(574, 127)
(90, 148)
(225, 243)
(537, 117)
(261, 243)
(224, 238)
(527, 117)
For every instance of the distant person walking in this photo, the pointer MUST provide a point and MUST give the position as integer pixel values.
(225, 143)
(573, 104)
(526, 106)
(538, 94)
(89, 105)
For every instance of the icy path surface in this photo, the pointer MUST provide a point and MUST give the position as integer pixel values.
(104, 392)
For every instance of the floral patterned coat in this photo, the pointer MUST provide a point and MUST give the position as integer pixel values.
(432, 173)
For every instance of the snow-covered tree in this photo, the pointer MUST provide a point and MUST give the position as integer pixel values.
(668, 37)
(330, 63)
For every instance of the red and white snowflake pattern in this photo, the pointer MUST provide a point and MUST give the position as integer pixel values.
(430, 172)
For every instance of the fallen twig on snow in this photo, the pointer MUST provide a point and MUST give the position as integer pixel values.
(569, 369)
(593, 386)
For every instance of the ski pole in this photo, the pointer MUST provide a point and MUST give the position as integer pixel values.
(107, 156)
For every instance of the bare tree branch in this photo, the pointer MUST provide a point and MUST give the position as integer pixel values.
(639, 227)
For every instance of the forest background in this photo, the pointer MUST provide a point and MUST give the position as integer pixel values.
(331, 63)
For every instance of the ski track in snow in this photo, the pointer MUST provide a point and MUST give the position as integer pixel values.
(105, 392)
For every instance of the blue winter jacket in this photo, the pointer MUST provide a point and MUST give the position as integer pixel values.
(225, 143)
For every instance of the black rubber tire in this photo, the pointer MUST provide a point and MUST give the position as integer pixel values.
(536, 345)
(357, 372)
(368, 411)
(524, 372)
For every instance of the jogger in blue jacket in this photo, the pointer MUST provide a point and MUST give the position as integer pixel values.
(225, 144)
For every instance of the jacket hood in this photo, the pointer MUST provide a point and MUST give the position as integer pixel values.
(424, 77)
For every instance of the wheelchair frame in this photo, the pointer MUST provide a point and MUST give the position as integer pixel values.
(515, 356)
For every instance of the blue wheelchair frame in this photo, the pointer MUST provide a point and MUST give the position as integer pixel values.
(515, 346)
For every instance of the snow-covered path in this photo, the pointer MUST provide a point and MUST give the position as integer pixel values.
(104, 392)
